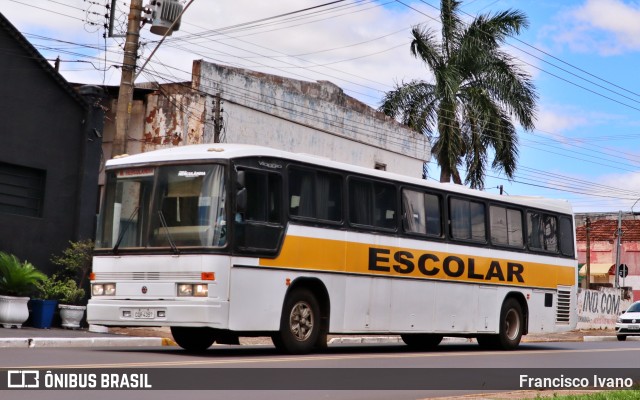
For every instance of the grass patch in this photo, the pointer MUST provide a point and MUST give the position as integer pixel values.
(606, 395)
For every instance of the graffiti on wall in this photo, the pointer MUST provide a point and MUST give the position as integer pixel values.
(598, 309)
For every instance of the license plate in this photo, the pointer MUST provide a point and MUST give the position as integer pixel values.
(634, 327)
(143, 313)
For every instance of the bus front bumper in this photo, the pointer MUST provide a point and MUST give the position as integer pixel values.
(206, 312)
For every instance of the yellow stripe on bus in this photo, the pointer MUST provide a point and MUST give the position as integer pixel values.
(373, 259)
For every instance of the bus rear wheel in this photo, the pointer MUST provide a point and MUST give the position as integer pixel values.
(299, 324)
(511, 328)
(421, 341)
(193, 339)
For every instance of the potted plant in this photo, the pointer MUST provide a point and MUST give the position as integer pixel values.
(76, 264)
(49, 290)
(71, 304)
(17, 280)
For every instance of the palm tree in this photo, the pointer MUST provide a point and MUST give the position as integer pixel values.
(477, 93)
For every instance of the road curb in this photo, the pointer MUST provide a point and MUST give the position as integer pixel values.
(608, 338)
(84, 342)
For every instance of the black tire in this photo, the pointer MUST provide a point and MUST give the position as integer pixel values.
(510, 329)
(194, 340)
(421, 341)
(299, 324)
(488, 341)
(511, 325)
(622, 338)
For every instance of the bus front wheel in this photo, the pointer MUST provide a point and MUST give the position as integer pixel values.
(299, 324)
(193, 339)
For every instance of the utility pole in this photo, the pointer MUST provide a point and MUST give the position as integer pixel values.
(619, 245)
(587, 278)
(125, 96)
(217, 121)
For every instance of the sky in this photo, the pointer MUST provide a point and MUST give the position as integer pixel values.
(583, 57)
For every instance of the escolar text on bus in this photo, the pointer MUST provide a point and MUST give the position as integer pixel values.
(406, 262)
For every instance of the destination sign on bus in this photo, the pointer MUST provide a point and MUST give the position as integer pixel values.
(134, 173)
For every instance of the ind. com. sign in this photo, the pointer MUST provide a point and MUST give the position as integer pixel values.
(598, 309)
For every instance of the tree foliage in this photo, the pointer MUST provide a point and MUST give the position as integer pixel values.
(477, 93)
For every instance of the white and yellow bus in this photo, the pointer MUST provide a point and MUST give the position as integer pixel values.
(222, 241)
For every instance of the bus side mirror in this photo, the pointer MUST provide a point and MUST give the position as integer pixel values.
(241, 201)
(240, 180)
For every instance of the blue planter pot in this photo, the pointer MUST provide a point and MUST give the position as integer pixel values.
(42, 312)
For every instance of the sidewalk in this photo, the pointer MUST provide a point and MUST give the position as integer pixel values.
(99, 336)
(59, 337)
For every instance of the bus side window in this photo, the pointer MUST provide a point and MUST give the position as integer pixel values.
(301, 193)
(505, 226)
(372, 204)
(421, 213)
(566, 237)
(264, 197)
(542, 232)
(467, 220)
(385, 205)
(315, 194)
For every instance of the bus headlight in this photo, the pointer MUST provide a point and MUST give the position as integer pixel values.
(191, 289)
(103, 289)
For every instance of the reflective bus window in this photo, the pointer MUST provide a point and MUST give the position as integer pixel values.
(566, 237)
(264, 196)
(467, 220)
(542, 232)
(315, 194)
(506, 226)
(421, 213)
(372, 204)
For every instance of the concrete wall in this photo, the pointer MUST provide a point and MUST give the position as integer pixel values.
(598, 309)
(307, 117)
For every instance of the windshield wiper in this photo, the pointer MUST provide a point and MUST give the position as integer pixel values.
(166, 229)
(121, 236)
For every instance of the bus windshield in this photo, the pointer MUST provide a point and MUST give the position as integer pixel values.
(166, 206)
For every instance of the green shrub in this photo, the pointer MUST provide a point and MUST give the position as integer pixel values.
(50, 288)
(75, 261)
(72, 294)
(17, 278)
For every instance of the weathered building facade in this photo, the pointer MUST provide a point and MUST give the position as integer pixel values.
(603, 248)
(232, 105)
(49, 157)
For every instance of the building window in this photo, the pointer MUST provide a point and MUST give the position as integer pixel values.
(380, 166)
(21, 190)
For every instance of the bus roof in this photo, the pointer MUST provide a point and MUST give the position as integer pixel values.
(229, 151)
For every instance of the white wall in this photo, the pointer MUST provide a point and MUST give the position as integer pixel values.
(599, 309)
(308, 117)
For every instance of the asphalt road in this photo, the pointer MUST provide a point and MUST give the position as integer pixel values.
(349, 372)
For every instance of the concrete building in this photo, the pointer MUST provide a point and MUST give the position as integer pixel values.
(49, 157)
(603, 249)
(232, 105)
